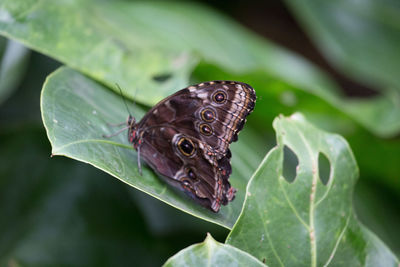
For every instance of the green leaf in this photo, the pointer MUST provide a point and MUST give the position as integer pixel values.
(75, 112)
(136, 43)
(60, 212)
(100, 40)
(306, 222)
(212, 253)
(360, 37)
(13, 64)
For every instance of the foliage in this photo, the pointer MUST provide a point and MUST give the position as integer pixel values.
(75, 113)
(212, 253)
(13, 58)
(361, 39)
(310, 221)
(152, 49)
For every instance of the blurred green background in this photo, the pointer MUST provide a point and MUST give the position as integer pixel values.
(60, 211)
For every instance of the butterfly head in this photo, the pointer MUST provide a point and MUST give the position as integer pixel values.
(130, 122)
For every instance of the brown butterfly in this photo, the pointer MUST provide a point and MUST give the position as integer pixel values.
(185, 138)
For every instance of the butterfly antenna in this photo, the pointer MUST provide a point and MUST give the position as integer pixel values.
(134, 98)
(123, 97)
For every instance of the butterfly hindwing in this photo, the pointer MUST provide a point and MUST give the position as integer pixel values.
(184, 163)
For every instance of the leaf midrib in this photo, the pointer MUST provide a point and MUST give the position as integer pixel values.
(63, 147)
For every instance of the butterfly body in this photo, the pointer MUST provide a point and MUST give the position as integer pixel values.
(185, 138)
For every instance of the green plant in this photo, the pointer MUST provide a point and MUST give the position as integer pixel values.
(304, 222)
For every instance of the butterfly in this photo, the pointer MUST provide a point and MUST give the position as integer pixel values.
(185, 138)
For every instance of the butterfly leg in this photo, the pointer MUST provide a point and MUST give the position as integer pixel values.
(114, 134)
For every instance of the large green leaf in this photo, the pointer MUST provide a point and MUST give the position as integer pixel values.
(361, 37)
(101, 40)
(140, 44)
(306, 222)
(75, 112)
(13, 63)
(59, 212)
(212, 253)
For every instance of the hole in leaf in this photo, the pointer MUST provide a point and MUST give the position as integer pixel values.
(324, 168)
(162, 77)
(290, 162)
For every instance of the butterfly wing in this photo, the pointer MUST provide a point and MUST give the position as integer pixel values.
(186, 138)
(213, 112)
(187, 164)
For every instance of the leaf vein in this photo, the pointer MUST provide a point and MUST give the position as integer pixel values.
(291, 205)
(338, 241)
(57, 150)
(268, 237)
